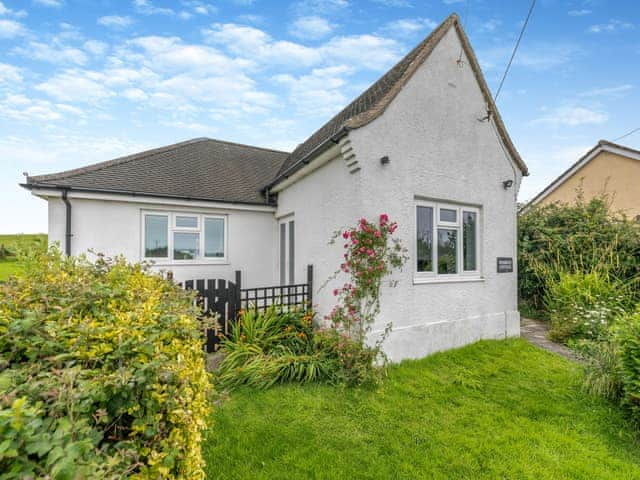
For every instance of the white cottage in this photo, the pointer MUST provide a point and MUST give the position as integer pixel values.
(424, 144)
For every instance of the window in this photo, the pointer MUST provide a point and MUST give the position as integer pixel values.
(178, 237)
(447, 240)
(287, 252)
(156, 241)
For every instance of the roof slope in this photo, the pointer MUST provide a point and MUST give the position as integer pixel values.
(202, 169)
(602, 145)
(372, 103)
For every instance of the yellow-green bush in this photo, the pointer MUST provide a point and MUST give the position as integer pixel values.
(101, 373)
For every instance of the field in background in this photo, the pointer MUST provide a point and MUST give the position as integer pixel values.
(11, 247)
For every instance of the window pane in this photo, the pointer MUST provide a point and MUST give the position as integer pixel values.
(214, 237)
(283, 253)
(292, 269)
(469, 226)
(186, 246)
(447, 250)
(156, 238)
(448, 215)
(186, 222)
(424, 229)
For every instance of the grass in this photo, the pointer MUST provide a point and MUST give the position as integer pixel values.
(495, 410)
(12, 245)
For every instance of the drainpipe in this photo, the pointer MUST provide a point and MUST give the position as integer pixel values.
(67, 234)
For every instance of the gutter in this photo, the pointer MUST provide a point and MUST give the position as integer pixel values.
(63, 188)
(305, 159)
(67, 234)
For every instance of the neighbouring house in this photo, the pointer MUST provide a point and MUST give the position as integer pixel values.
(424, 144)
(607, 169)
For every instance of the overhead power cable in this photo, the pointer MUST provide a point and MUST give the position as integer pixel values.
(627, 134)
(515, 49)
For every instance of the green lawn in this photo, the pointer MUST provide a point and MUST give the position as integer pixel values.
(13, 245)
(492, 410)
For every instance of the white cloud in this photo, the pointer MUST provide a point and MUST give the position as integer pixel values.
(53, 53)
(96, 47)
(4, 10)
(365, 51)
(451, 2)
(405, 27)
(318, 93)
(135, 94)
(11, 29)
(200, 8)
(616, 91)
(22, 108)
(579, 13)
(395, 3)
(319, 7)
(146, 7)
(74, 85)
(610, 27)
(539, 57)
(50, 3)
(312, 27)
(9, 74)
(490, 25)
(572, 116)
(115, 21)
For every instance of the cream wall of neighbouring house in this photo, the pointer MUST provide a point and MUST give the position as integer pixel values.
(607, 173)
(439, 150)
(114, 227)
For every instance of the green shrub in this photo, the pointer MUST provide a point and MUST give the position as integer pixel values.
(583, 305)
(627, 337)
(584, 237)
(266, 348)
(101, 373)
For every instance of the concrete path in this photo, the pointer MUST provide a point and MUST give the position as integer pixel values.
(535, 332)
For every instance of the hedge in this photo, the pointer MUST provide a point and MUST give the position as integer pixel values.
(101, 373)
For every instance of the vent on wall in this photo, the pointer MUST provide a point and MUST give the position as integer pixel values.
(349, 155)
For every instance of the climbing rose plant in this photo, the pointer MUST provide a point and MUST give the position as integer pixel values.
(370, 254)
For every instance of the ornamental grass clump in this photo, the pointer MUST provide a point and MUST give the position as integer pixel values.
(102, 373)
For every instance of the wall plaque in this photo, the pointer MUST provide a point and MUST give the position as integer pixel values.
(505, 264)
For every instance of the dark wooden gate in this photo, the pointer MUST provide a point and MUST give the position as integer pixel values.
(217, 296)
(227, 298)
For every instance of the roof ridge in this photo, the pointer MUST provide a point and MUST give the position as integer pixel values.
(135, 156)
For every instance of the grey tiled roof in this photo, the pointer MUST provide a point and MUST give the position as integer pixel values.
(202, 168)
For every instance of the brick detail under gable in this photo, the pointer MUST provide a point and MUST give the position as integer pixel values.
(349, 155)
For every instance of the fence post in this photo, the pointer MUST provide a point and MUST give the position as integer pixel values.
(310, 285)
(238, 287)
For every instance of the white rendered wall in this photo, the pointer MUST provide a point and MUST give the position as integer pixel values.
(114, 227)
(438, 150)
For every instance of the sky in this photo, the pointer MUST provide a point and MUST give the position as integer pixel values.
(83, 81)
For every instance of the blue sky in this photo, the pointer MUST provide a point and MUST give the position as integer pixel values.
(88, 80)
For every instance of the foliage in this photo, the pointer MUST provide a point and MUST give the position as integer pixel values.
(601, 359)
(265, 348)
(627, 338)
(582, 305)
(285, 346)
(370, 254)
(13, 248)
(517, 412)
(584, 237)
(101, 373)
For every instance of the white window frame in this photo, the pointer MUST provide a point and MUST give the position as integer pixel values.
(171, 229)
(461, 275)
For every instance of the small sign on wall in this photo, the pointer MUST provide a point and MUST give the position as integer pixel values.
(505, 264)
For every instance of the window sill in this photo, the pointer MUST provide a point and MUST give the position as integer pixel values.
(196, 263)
(460, 279)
